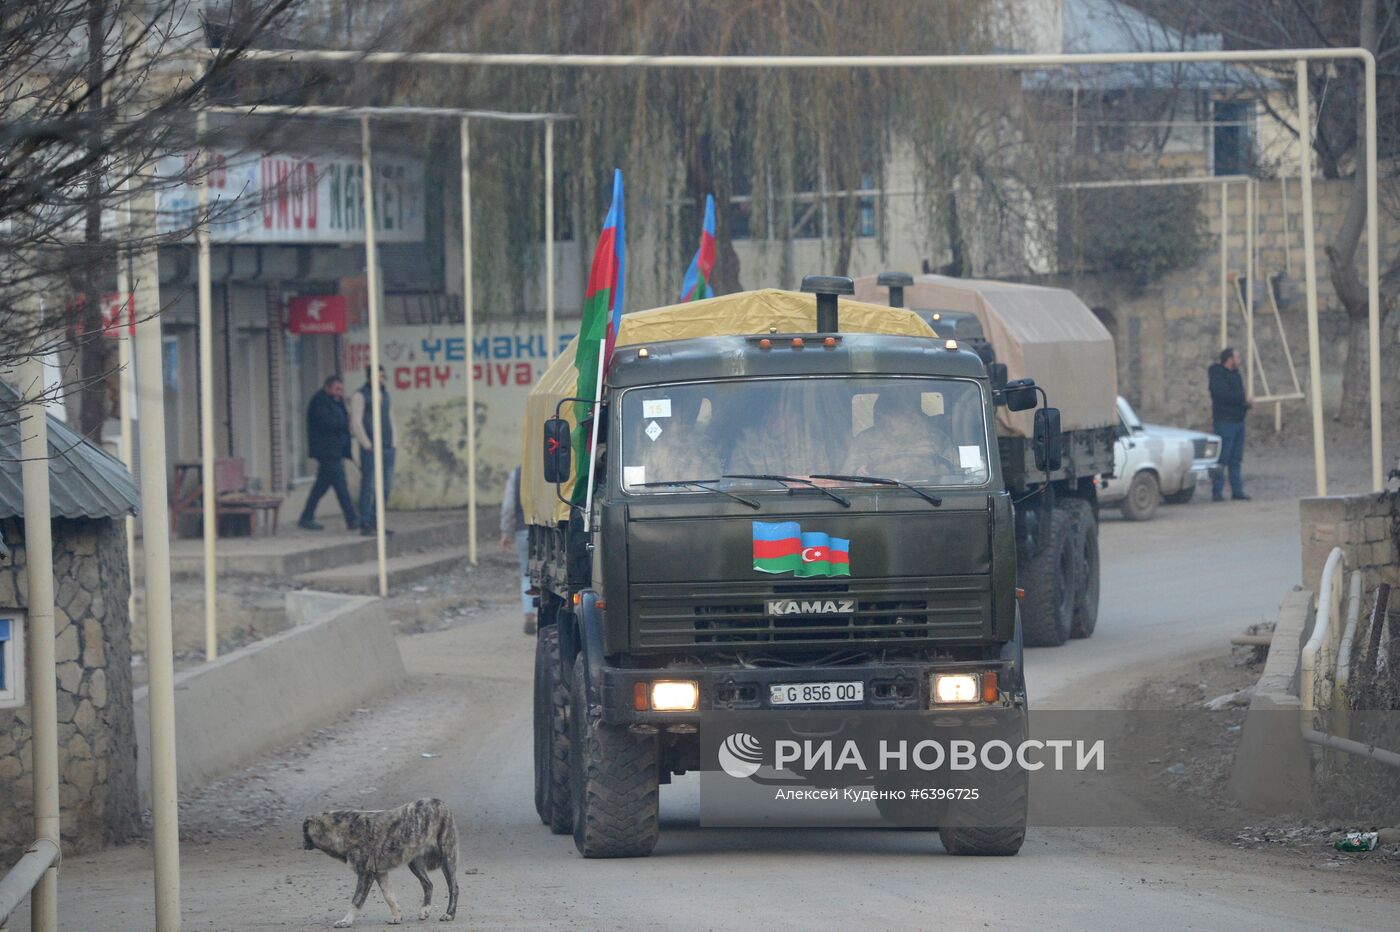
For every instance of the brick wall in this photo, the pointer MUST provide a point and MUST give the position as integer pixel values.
(1167, 333)
(1366, 527)
(97, 739)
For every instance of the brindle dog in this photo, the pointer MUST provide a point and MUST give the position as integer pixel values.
(422, 835)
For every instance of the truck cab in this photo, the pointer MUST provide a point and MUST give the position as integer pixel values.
(804, 517)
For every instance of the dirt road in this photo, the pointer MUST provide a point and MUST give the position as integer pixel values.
(1172, 588)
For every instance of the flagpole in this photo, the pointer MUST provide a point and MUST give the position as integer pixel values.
(549, 241)
(593, 439)
(468, 312)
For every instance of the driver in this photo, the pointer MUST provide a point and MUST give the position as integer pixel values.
(903, 442)
(683, 447)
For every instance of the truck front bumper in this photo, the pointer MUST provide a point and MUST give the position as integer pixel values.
(890, 686)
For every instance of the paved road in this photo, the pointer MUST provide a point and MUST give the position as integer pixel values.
(1172, 588)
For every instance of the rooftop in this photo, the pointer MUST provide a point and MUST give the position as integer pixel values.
(85, 481)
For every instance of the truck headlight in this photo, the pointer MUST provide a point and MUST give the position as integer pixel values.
(675, 695)
(1212, 449)
(949, 688)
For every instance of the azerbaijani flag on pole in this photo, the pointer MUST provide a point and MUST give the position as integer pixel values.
(697, 278)
(602, 318)
(783, 547)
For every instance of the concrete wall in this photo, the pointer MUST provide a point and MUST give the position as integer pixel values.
(97, 753)
(272, 692)
(1273, 765)
(1366, 527)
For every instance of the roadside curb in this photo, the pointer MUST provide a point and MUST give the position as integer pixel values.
(340, 655)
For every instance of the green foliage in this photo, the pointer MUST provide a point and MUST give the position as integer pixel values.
(1141, 232)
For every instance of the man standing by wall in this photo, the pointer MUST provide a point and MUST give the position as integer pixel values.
(328, 443)
(360, 423)
(514, 535)
(1228, 407)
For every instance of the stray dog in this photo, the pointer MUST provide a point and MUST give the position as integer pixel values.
(422, 835)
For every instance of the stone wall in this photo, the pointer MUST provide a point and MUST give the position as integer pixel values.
(97, 740)
(1366, 527)
(1167, 333)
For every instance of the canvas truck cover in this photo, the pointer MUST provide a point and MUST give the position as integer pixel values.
(1046, 334)
(747, 312)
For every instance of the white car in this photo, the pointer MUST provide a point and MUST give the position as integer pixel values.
(1152, 462)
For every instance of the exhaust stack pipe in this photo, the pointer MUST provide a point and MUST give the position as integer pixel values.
(896, 282)
(827, 288)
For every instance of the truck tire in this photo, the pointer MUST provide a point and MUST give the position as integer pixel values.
(1182, 496)
(1003, 804)
(542, 728)
(1086, 593)
(1144, 494)
(615, 783)
(560, 807)
(1050, 581)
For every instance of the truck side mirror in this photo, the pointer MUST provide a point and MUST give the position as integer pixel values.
(1020, 394)
(996, 371)
(557, 452)
(1046, 440)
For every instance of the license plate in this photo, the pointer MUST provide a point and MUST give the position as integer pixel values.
(812, 693)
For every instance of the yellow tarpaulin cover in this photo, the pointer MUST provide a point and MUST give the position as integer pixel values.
(748, 312)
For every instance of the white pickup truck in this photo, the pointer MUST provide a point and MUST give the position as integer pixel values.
(1152, 462)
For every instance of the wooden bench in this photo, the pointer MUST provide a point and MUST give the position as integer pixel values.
(232, 496)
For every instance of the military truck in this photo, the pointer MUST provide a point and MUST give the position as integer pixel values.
(1050, 336)
(771, 526)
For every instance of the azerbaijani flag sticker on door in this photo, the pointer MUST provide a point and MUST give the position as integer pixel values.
(783, 547)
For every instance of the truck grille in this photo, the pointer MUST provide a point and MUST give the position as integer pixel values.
(893, 612)
(1198, 446)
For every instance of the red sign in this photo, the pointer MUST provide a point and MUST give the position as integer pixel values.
(116, 305)
(317, 313)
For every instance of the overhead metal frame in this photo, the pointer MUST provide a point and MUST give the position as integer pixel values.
(720, 62)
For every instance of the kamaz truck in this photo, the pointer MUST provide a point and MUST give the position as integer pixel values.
(795, 501)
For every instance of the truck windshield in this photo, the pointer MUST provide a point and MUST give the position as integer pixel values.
(919, 430)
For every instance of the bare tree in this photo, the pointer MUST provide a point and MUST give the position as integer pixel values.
(1339, 133)
(92, 94)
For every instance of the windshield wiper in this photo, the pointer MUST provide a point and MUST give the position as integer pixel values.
(933, 500)
(707, 484)
(840, 500)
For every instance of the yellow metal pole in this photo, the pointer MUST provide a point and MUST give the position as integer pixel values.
(155, 539)
(1310, 277)
(206, 404)
(1373, 276)
(468, 312)
(1224, 264)
(43, 688)
(126, 398)
(1249, 288)
(372, 282)
(549, 240)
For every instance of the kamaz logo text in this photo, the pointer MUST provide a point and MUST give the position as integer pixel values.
(811, 606)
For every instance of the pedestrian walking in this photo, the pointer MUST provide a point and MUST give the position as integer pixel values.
(361, 424)
(1228, 407)
(328, 443)
(514, 534)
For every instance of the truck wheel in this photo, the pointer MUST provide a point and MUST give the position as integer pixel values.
(1001, 804)
(614, 781)
(1144, 493)
(1183, 496)
(1050, 581)
(552, 737)
(1086, 594)
(543, 729)
(993, 824)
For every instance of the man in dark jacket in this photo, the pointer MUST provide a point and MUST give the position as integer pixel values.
(1228, 406)
(328, 443)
